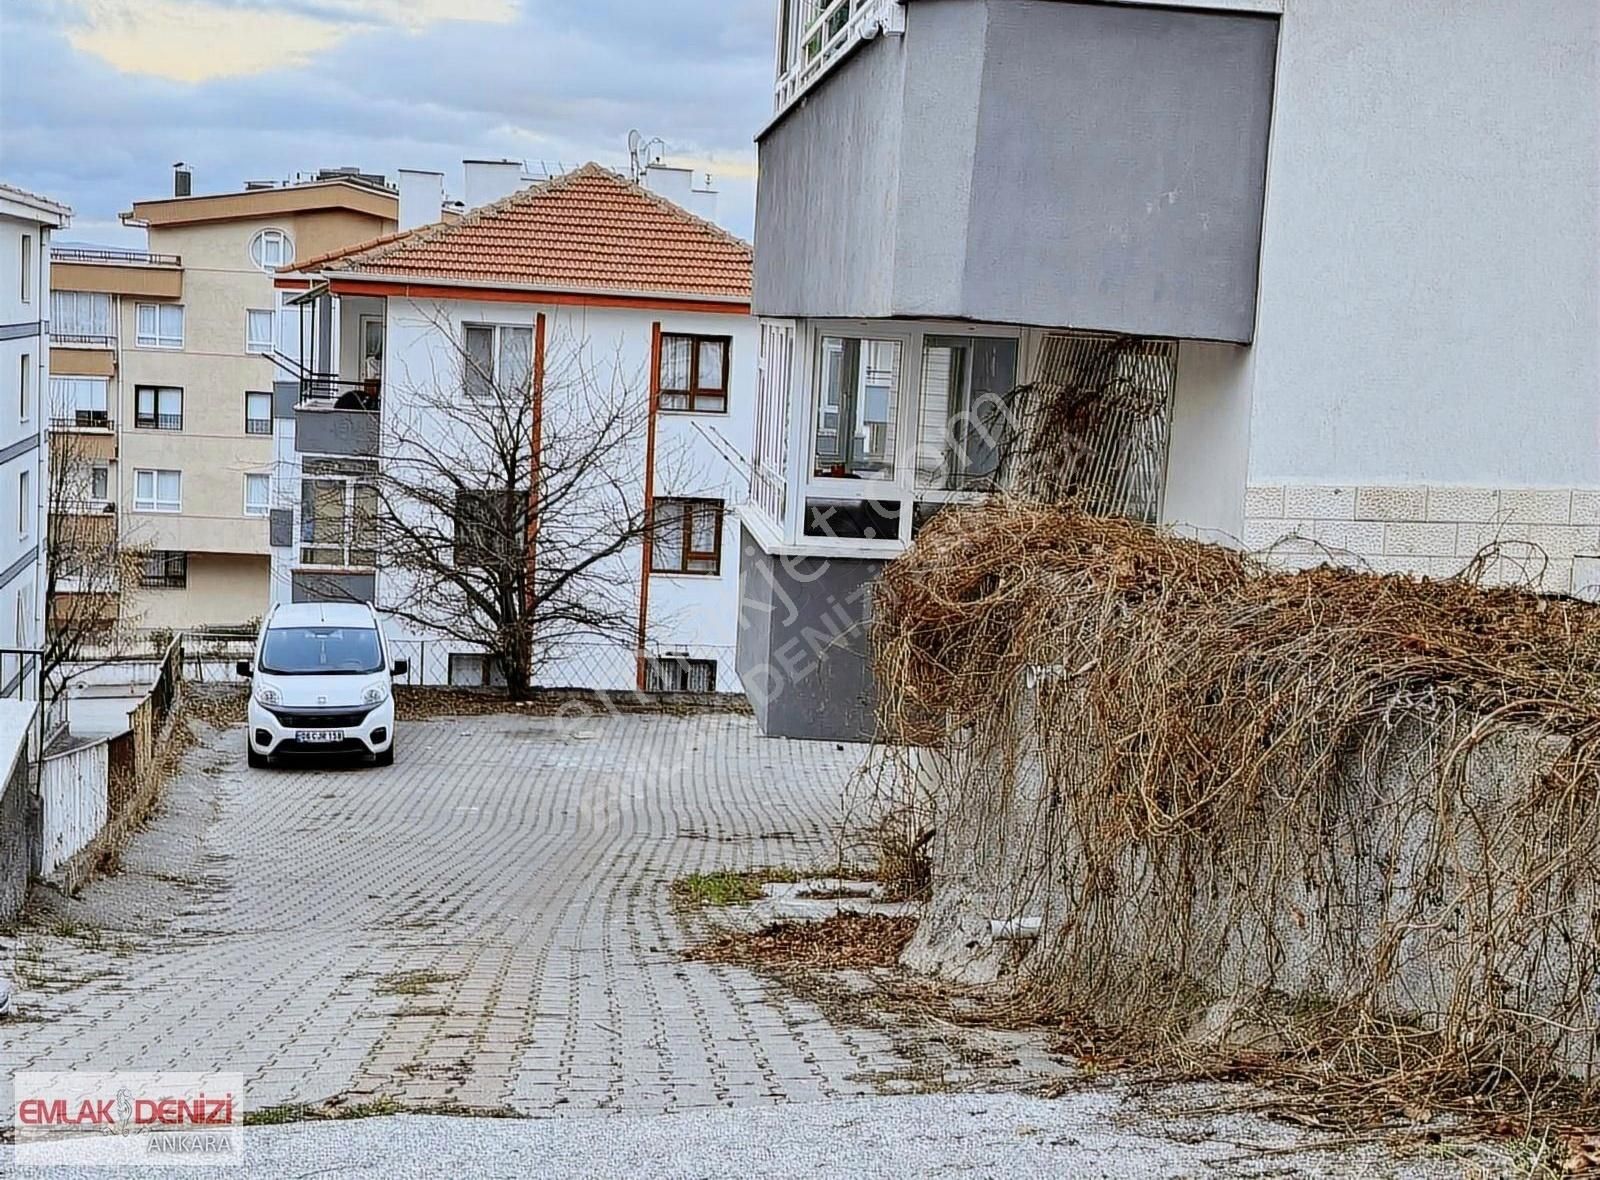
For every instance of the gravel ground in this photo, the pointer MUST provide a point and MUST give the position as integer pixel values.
(1083, 1135)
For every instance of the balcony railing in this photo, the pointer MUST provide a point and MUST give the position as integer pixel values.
(83, 420)
(92, 506)
(127, 257)
(258, 425)
(817, 32)
(328, 391)
(81, 340)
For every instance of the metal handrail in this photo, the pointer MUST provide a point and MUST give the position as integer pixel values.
(139, 257)
(92, 339)
(83, 420)
(324, 388)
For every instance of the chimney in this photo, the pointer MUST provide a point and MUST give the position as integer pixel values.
(182, 180)
(421, 197)
(489, 180)
(683, 188)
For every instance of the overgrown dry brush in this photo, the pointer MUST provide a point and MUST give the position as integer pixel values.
(1357, 813)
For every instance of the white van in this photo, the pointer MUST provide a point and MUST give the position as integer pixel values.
(321, 682)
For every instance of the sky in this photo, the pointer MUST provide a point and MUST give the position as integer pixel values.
(99, 98)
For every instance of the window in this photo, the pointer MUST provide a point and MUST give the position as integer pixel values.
(339, 512)
(158, 325)
(157, 490)
(497, 359)
(857, 397)
(257, 493)
(687, 537)
(260, 332)
(25, 388)
(694, 373)
(271, 249)
(679, 674)
(80, 313)
(967, 382)
(27, 268)
(157, 407)
(165, 569)
(257, 413)
(489, 527)
(321, 651)
(99, 482)
(79, 401)
(24, 504)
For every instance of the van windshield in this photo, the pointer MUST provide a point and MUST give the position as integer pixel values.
(321, 651)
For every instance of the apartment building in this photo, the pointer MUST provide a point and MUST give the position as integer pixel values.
(1332, 261)
(165, 368)
(585, 280)
(27, 222)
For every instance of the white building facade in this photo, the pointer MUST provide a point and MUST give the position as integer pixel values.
(1334, 260)
(663, 317)
(27, 222)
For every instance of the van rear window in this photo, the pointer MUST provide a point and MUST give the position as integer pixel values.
(321, 651)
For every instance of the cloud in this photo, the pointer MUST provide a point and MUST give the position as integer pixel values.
(563, 82)
(200, 40)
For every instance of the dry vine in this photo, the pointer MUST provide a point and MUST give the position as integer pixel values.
(1359, 814)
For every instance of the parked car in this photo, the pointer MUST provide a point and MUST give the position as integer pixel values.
(321, 682)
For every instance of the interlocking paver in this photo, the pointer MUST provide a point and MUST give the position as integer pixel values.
(265, 921)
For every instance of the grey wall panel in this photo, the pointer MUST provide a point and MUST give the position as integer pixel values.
(1032, 162)
(280, 527)
(285, 396)
(336, 432)
(803, 654)
(1120, 168)
(332, 587)
(827, 192)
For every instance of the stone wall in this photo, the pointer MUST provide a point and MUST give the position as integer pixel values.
(1548, 537)
(17, 840)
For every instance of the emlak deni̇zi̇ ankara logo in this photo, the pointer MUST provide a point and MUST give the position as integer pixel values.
(117, 1119)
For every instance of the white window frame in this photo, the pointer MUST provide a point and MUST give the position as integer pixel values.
(24, 504)
(266, 501)
(154, 502)
(156, 339)
(258, 249)
(26, 279)
(497, 329)
(25, 388)
(65, 323)
(908, 415)
(256, 345)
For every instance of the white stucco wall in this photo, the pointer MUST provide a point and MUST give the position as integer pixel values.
(1429, 287)
(24, 344)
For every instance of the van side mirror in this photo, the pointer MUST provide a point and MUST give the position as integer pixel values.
(401, 668)
(243, 668)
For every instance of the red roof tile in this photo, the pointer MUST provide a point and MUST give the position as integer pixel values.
(587, 230)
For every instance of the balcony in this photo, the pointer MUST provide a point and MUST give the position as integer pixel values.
(814, 34)
(335, 417)
(93, 420)
(1095, 165)
(117, 272)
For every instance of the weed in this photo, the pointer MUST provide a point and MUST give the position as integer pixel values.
(411, 983)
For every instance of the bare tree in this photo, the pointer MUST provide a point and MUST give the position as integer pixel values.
(509, 507)
(89, 574)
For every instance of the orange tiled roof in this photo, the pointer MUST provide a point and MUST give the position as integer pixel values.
(586, 230)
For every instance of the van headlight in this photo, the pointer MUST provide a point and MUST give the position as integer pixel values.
(375, 695)
(267, 696)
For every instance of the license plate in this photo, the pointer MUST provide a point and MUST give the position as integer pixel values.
(313, 736)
